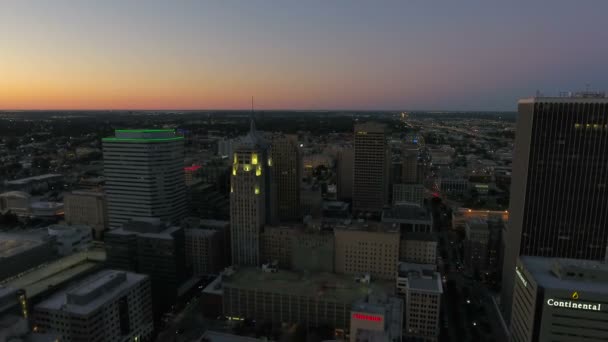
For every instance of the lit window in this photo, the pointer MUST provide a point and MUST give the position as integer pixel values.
(254, 158)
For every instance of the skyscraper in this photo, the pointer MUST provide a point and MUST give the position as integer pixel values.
(249, 184)
(345, 163)
(144, 175)
(560, 173)
(286, 169)
(370, 181)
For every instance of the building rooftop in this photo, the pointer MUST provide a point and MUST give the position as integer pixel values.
(27, 180)
(57, 272)
(568, 274)
(214, 336)
(406, 213)
(19, 194)
(93, 292)
(368, 226)
(143, 136)
(152, 228)
(420, 236)
(421, 277)
(322, 286)
(12, 244)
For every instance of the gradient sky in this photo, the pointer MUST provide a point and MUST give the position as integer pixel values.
(312, 54)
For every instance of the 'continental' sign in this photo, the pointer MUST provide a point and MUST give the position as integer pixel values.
(574, 305)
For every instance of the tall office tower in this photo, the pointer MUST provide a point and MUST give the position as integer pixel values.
(249, 187)
(144, 171)
(370, 181)
(558, 192)
(286, 169)
(346, 160)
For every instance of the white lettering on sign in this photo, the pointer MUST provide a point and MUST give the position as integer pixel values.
(574, 305)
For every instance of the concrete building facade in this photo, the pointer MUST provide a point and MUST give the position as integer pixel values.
(144, 172)
(367, 249)
(249, 197)
(108, 306)
(86, 208)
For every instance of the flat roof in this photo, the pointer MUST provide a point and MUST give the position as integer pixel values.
(322, 286)
(214, 336)
(420, 236)
(421, 277)
(406, 212)
(166, 233)
(23, 181)
(564, 99)
(12, 244)
(93, 292)
(57, 272)
(541, 269)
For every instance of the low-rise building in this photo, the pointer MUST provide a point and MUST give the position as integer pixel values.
(22, 251)
(70, 239)
(17, 202)
(88, 208)
(420, 248)
(108, 306)
(422, 289)
(377, 318)
(408, 194)
(367, 248)
(460, 216)
(310, 299)
(410, 218)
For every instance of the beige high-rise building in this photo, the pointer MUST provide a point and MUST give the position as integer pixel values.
(87, 208)
(371, 166)
(248, 202)
(286, 170)
(367, 248)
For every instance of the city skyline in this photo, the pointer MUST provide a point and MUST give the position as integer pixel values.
(338, 55)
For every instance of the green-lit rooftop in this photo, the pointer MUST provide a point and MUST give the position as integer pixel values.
(143, 136)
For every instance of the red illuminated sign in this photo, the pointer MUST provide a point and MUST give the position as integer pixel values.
(363, 317)
(192, 168)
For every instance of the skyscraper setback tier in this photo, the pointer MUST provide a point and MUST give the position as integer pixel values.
(144, 175)
(370, 181)
(560, 173)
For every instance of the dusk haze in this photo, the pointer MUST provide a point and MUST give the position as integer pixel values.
(413, 55)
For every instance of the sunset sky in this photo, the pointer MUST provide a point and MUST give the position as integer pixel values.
(295, 54)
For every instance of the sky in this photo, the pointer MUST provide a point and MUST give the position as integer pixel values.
(294, 54)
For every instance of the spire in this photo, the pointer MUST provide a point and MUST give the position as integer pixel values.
(251, 121)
